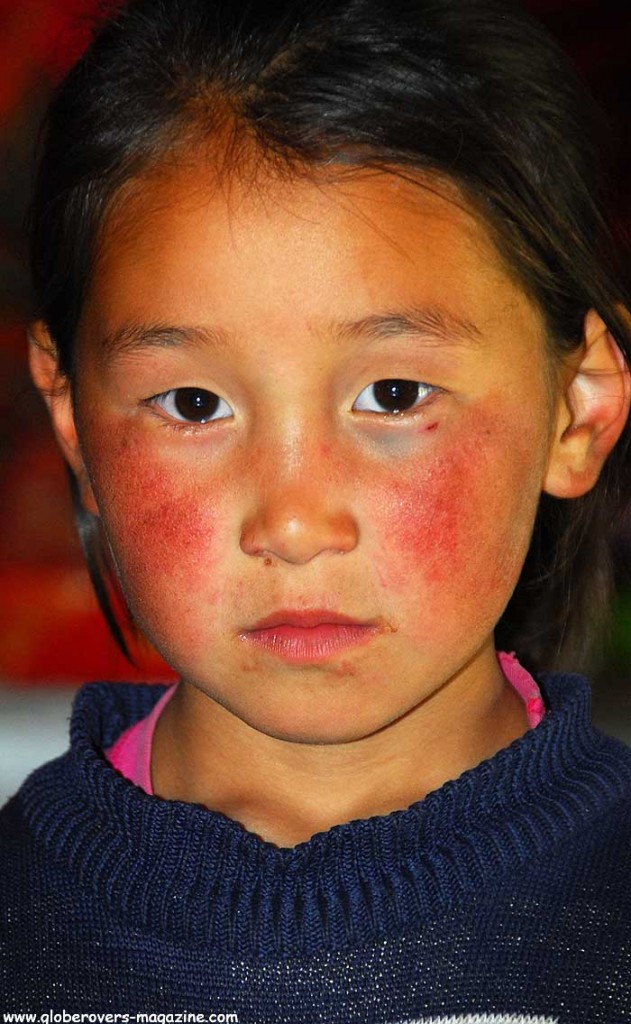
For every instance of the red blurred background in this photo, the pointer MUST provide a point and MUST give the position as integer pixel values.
(50, 627)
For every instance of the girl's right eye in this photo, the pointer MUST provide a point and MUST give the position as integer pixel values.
(192, 405)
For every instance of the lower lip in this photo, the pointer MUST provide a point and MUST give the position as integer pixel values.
(312, 643)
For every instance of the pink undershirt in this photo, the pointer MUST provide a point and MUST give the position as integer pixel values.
(131, 753)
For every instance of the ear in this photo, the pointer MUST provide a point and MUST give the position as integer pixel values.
(54, 387)
(591, 413)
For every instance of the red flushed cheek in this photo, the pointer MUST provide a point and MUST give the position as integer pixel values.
(163, 534)
(423, 526)
(453, 529)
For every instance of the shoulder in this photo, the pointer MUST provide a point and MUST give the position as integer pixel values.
(55, 792)
(586, 873)
(51, 838)
(31, 879)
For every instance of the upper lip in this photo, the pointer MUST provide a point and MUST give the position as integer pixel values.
(307, 618)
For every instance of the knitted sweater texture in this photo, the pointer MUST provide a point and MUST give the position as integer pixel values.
(504, 896)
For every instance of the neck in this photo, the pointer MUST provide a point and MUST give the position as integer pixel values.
(285, 792)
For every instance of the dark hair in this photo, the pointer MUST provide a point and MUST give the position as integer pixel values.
(473, 91)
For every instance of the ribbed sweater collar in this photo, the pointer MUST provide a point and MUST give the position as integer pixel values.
(183, 872)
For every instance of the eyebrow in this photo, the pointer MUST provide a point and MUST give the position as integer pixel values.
(431, 324)
(133, 338)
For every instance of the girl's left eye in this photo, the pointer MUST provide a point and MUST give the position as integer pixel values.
(392, 396)
(192, 405)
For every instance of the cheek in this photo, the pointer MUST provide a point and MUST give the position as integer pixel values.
(163, 533)
(457, 529)
(155, 522)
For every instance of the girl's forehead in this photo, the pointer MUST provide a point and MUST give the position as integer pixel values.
(248, 191)
(274, 193)
(335, 243)
(400, 206)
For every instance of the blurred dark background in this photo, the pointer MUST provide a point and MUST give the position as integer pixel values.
(51, 632)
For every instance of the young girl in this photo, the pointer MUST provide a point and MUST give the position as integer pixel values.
(333, 339)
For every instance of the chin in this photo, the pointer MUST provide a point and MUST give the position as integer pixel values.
(318, 730)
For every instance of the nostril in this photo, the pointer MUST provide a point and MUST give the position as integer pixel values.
(298, 535)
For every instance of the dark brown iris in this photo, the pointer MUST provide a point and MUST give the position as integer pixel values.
(395, 395)
(196, 404)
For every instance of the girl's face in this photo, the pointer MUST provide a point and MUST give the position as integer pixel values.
(250, 468)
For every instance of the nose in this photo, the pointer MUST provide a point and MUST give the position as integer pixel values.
(295, 521)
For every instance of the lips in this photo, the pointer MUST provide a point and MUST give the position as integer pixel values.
(309, 635)
(308, 619)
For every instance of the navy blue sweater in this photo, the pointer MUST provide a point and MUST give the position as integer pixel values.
(503, 896)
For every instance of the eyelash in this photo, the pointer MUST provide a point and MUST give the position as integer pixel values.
(389, 388)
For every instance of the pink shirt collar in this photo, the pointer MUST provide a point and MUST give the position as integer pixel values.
(131, 753)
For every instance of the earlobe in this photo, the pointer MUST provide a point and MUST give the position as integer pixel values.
(591, 413)
(54, 387)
